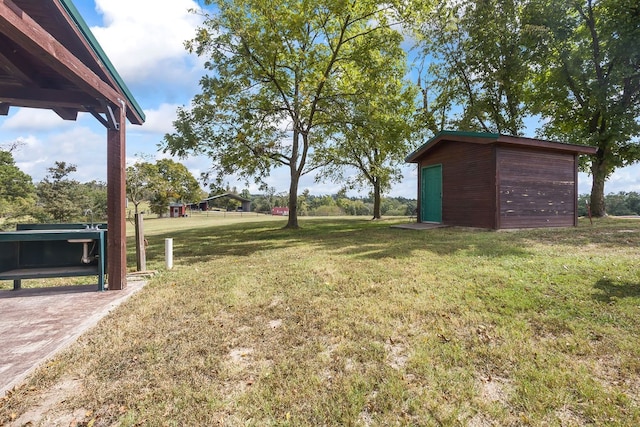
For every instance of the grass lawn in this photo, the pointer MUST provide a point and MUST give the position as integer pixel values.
(351, 322)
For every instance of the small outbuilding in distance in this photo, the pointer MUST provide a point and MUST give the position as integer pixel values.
(495, 181)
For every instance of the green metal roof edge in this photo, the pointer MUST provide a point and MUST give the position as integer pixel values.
(84, 28)
(452, 133)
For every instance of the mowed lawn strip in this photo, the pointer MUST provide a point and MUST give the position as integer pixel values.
(351, 322)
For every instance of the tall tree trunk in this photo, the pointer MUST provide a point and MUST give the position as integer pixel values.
(292, 221)
(376, 199)
(599, 175)
(294, 173)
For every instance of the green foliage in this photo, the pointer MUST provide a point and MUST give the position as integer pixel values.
(95, 192)
(62, 199)
(478, 64)
(17, 192)
(161, 183)
(141, 178)
(587, 84)
(275, 83)
(575, 64)
(622, 203)
(375, 134)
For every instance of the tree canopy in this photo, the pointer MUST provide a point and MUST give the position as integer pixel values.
(587, 80)
(60, 196)
(161, 183)
(17, 192)
(475, 64)
(376, 133)
(274, 84)
(575, 64)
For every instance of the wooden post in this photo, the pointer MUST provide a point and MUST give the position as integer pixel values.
(116, 201)
(141, 250)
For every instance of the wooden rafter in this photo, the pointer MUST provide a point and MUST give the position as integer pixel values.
(29, 35)
(49, 59)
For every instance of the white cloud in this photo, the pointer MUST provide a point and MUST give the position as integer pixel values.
(34, 120)
(142, 35)
(624, 179)
(160, 120)
(79, 146)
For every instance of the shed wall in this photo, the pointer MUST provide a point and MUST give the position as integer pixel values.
(535, 188)
(468, 183)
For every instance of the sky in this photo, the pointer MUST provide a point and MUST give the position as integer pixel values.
(144, 39)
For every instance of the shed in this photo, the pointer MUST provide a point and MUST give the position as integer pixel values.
(50, 59)
(496, 181)
(177, 210)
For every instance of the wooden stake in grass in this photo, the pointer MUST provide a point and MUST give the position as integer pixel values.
(141, 254)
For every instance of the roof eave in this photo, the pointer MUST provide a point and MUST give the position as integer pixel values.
(445, 135)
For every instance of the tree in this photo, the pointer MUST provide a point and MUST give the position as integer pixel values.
(478, 64)
(95, 192)
(62, 198)
(140, 181)
(17, 192)
(274, 88)
(172, 182)
(588, 80)
(375, 135)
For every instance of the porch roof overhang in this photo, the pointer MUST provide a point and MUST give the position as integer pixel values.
(496, 138)
(50, 59)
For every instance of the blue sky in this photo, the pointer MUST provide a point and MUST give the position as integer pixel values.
(144, 40)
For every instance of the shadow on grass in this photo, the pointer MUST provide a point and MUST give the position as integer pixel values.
(356, 238)
(612, 290)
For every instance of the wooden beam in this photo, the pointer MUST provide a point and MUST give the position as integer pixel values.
(13, 65)
(116, 202)
(29, 35)
(66, 113)
(4, 108)
(47, 98)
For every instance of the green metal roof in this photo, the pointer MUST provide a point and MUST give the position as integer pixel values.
(90, 38)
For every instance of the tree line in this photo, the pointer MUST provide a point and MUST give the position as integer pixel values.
(56, 198)
(335, 204)
(322, 87)
(60, 198)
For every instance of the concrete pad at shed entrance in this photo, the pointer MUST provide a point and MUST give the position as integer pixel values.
(37, 323)
(420, 225)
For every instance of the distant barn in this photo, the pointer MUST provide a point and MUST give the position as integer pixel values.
(496, 181)
(246, 203)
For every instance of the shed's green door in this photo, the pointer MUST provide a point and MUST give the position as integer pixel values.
(431, 197)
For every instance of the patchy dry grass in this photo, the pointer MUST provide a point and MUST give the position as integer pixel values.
(350, 322)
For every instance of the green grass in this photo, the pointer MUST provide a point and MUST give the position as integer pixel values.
(351, 322)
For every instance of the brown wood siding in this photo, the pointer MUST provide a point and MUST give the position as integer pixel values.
(468, 183)
(535, 188)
